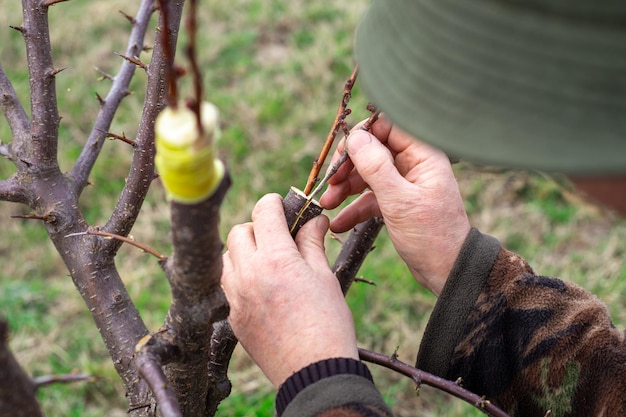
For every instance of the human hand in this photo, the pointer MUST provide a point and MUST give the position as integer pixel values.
(413, 188)
(286, 305)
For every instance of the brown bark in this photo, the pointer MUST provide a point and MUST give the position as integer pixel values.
(17, 389)
(299, 210)
(354, 250)
(194, 272)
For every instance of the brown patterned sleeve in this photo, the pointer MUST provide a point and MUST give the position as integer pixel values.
(533, 343)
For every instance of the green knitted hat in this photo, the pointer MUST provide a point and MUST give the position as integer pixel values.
(537, 84)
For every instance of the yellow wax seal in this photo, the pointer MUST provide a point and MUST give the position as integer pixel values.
(185, 157)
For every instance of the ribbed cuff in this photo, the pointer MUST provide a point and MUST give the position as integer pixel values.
(315, 372)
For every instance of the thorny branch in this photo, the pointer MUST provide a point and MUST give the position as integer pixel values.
(44, 112)
(12, 108)
(142, 166)
(419, 377)
(342, 113)
(118, 90)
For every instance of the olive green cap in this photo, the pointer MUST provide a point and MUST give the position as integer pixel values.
(537, 84)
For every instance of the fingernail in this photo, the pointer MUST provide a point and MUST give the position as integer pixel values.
(357, 140)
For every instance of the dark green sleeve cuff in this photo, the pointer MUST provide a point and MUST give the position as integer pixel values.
(327, 384)
(459, 295)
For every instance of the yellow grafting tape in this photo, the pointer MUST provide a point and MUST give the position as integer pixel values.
(185, 160)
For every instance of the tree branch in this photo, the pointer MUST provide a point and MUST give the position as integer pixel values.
(12, 190)
(42, 381)
(223, 343)
(17, 390)
(194, 272)
(152, 352)
(43, 100)
(12, 108)
(142, 167)
(354, 250)
(117, 92)
(419, 377)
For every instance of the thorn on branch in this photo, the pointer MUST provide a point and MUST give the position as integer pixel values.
(128, 17)
(365, 281)
(48, 217)
(100, 99)
(104, 75)
(48, 3)
(135, 60)
(53, 72)
(20, 29)
(122, 137)
(130, 240)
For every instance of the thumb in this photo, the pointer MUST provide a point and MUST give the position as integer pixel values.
(373, 161)
(310, 241)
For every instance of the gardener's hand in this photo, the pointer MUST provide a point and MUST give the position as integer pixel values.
(286, 306)
(413, 188)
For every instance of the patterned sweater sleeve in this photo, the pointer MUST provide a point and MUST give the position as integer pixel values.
(528, 343)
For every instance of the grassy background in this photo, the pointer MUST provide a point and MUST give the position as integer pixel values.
(276, 69)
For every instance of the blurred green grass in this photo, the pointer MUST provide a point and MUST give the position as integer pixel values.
(276, 70)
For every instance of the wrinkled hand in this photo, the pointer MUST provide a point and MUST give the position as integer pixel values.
(286, 306)
(413, 188)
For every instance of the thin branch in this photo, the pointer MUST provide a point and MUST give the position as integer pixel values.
(48, 3)
(142, 166)
(168, 54)
(192, 27)
(12, 190)
(342, 113)
(151, 353)
(121, 137)
(104, 75)
(117, 92)
(421, 377)
(354, 250)
(335, 167)
(12, 108)
(42, 381)
(134, 60)
(130, 240)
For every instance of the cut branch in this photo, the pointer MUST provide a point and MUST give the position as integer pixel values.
(117, 92)
(421, 377)
(194, 272)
